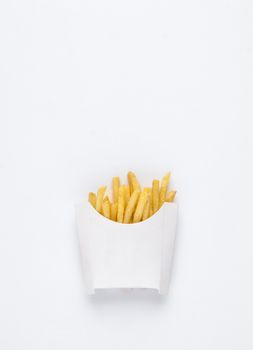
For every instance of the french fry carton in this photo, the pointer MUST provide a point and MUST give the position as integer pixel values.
(116, 255)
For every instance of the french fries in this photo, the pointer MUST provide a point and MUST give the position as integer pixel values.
(146, 210)
(163, 190)
(115, 188)
(130, 203)
(155, 195)
(92, 199)
(133, 182)
(121, 204)
(171, 196)
(106, 208)
(131, 206)
(114, 210)
(106, 199)
(100, 196)
(140, 206)
(127, 193)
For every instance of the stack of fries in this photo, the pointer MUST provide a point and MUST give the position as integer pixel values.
(130, 203)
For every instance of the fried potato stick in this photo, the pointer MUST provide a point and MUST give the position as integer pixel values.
(133, 182)
(115, 188)
(100, 196)
(150, 203)
(106, 209)
(155, 195)
(148, 190)
(93, 199)
(114, 210)
(121, 204)
(146, 210)
(171, 196)
(127, 194)
(130, 183)
(106, 199)
(140, 207)
(164, 187)
(131, 206)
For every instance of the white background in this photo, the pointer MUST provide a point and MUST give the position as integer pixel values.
(92, 89)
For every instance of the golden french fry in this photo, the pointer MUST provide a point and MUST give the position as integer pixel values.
(148, 190)
(130, 185)
(106, 199)
(127, 194)
(140, 206)
(121, 204)
(115, 188)
(106, 209)
(171, 196)
(100, 196)
(146, 211)
(131, 206)
(133, 182)
(114, 210)
(150, 203)
(93, 199)
(164, 187)
(155, 195)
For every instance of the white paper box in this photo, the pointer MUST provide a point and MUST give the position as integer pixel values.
(116, 255)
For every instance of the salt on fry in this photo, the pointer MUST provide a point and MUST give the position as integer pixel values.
(131, 206)
(140, 207)
(121, 204)
(93, 199)
(106, 209)
(115, 188)
(100, 196)
(114, 210)
(155, 195)
(171, 196)
(164, 187)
